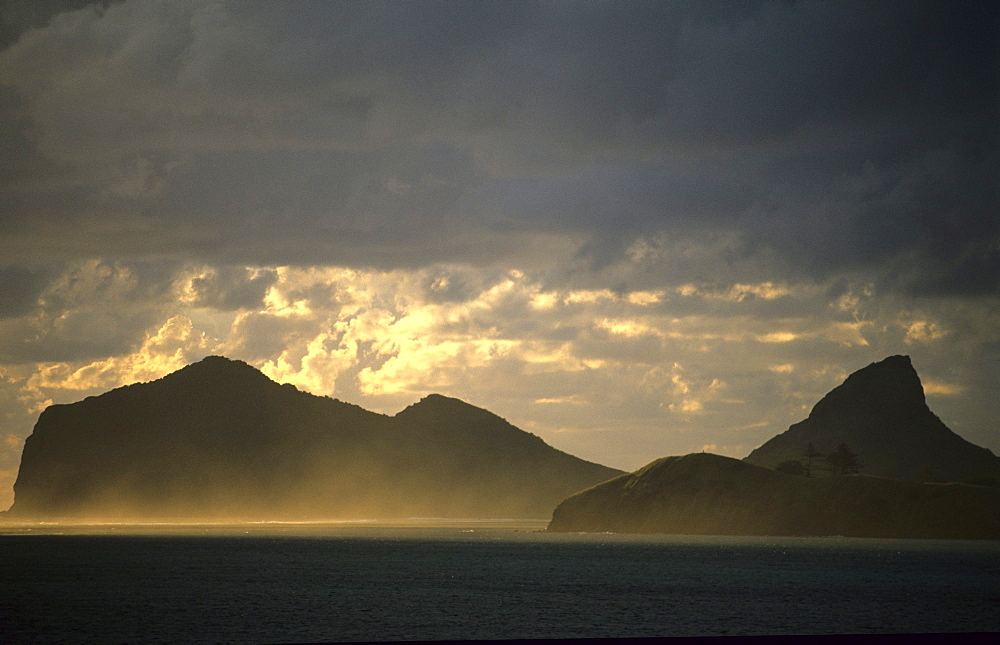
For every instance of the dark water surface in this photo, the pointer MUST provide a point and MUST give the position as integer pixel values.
(295, 583)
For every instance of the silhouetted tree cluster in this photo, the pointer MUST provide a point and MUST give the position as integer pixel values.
(803, 465)
(842, 461)
(810, 454)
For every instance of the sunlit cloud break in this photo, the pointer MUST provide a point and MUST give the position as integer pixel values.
(634, 229)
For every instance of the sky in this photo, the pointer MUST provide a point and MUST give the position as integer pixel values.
(634, 229)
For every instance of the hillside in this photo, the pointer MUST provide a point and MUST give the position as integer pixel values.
(705, 494)
(880, 412)
(219, 440)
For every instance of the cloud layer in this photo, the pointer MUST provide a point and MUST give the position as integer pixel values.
(633, 228)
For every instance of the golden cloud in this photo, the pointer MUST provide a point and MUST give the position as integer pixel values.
(941, 388)
(923, 331)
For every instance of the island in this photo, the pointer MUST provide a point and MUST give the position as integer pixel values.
(871, 460)
(219, 440)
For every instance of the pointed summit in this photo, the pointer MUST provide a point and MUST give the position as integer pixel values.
(463, 424)
(219, 364)
(437, 408)
(887, 389)
(881, 414)
(219, 368)
(437, 402)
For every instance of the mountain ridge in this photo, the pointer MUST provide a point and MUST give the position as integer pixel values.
(218, 437)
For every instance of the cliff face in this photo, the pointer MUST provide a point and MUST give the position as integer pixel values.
(705, 494)
(881, 414)
(218, 439)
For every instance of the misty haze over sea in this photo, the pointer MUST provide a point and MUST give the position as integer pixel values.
(500, 580)
(666, 278)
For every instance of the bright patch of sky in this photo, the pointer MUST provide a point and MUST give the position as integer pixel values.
(634, 229)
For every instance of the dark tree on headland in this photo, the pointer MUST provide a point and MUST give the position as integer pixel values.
(810, 454)
(803, 465)
(843, 460)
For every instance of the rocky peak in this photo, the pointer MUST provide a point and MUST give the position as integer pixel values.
(435, 405)
(881, 414)
(219, 367)
(888, 388)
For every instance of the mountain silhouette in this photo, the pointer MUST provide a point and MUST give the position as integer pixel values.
(220, 440)
(881, 414)
(706, 494)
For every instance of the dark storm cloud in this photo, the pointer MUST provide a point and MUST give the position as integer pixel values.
(20, 287)
(819, 137)
(231, 288)
(81, 310)
(17, 16)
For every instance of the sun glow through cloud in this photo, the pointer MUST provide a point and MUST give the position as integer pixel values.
(631, 265)
(383, 339)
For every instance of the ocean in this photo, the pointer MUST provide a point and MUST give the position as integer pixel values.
(371, 581)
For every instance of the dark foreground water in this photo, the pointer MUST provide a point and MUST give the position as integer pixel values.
(317, 583)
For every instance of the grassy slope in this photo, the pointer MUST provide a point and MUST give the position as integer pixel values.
(712, 495)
